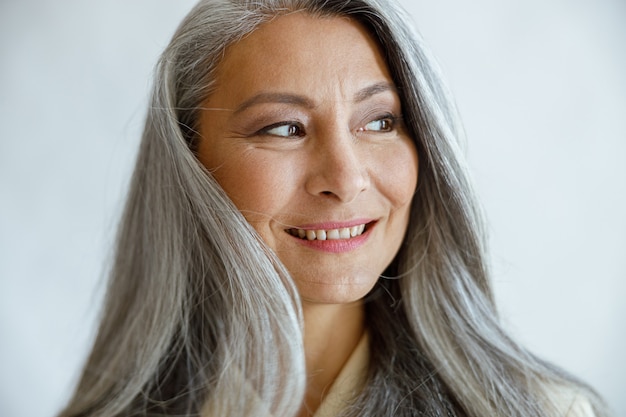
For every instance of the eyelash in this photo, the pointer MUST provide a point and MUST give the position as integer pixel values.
(267, 129)
(389, 118)
(296, 129)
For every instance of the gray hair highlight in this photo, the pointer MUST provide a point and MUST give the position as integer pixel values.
(199, 312)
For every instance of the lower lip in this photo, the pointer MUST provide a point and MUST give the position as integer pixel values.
(337, 245)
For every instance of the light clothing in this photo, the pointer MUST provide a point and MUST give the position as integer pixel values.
(345, 388)
(572, 403)
(348, 383)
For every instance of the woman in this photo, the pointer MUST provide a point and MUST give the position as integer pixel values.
(300, 236)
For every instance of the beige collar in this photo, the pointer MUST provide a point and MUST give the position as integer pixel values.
(342, 392)
(348, 383)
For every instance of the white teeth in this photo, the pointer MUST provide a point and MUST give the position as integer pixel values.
(332, 234)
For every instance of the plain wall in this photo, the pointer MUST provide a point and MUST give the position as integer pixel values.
(541, 86)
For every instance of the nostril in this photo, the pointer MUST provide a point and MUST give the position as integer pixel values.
(331, 180)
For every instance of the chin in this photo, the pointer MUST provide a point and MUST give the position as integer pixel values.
(334, 293)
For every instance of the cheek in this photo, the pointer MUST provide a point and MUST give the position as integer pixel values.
(257, 185)
(396, 174)
(251, 179)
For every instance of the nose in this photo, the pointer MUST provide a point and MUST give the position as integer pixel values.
(336, 168)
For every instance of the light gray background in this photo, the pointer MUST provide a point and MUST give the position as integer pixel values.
(541, 86)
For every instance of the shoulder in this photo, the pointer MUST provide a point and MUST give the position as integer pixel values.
(570, 401)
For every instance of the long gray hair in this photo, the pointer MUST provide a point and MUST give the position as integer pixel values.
(201, 317)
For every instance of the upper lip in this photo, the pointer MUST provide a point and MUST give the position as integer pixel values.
(333, 224)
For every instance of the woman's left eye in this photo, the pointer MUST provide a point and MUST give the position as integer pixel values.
(384, 124)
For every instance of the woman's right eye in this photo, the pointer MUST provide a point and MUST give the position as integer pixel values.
(284, 129)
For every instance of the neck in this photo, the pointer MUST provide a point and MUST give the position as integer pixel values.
(331, 333)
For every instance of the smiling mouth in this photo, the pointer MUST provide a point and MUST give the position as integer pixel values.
(328, 234)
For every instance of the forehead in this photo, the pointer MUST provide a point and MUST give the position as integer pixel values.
(299, 51)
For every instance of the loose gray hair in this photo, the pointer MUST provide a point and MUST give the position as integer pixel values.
(200, 313)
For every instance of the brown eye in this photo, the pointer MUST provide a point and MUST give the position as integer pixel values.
(285, 130)
(384, 124)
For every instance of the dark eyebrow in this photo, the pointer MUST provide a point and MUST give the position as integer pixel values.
(286, 98)
(374, 89)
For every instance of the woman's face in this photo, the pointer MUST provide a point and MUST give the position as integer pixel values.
(304, 133)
